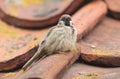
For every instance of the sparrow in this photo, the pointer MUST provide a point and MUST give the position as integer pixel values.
(60, 38)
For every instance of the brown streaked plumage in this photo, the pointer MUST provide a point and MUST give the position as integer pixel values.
(59, 38)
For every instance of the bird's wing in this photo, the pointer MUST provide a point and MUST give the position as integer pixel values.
(48, 33)
(39, 51)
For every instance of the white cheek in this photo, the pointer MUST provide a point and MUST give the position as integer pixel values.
(71, 23)
(61, 23)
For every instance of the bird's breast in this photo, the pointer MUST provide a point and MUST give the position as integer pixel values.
(61, 39)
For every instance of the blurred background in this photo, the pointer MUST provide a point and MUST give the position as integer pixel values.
(23, 24)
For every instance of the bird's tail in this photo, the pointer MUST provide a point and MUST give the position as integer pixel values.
(33, 59)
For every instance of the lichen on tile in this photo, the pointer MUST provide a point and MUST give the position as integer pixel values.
(7, 30)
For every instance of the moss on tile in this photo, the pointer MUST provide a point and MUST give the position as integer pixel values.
(88, 76)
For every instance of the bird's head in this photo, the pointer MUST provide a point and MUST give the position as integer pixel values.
(66, 20)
